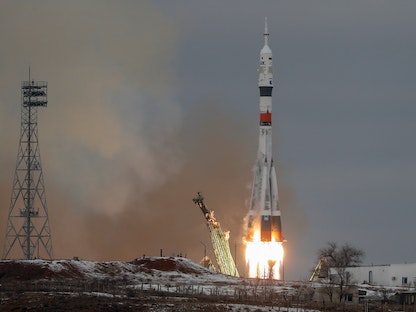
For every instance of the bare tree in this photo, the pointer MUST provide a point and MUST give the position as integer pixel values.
(338, 258)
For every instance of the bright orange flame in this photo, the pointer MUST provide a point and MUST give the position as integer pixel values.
(264, 259)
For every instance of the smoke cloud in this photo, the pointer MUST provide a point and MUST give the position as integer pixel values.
(214, 161)
(121, 158)
(110, 117)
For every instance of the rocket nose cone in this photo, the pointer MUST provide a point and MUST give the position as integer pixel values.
(266, 50)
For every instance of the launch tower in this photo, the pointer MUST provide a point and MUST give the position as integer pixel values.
(28, 234)
(219, 239)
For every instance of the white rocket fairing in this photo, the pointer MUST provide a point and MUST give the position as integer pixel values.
(264, 212)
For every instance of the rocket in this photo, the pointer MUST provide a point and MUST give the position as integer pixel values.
(264, 212)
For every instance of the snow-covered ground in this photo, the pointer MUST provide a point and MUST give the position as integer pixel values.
(178, 281)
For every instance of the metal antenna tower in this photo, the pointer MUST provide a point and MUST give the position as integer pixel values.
(28, 221)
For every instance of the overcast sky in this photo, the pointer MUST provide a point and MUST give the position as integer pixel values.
(152, 101)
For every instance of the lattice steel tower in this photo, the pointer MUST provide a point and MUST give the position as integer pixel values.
(28, 234)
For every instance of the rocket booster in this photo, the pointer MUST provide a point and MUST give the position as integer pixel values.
(264, 212)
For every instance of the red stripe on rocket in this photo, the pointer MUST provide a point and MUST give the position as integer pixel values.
(265, 119)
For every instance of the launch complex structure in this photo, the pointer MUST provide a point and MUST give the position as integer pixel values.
(219, 240)
(28, 234)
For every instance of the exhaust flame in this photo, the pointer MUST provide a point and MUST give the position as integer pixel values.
(264, 259)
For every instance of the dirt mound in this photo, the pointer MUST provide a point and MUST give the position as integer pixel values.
(169, 265)
(29, 270)
(21, 270)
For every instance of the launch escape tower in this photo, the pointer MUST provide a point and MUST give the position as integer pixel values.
(225, 261)
(28, 221)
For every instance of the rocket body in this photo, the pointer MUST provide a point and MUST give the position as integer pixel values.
(264, 212)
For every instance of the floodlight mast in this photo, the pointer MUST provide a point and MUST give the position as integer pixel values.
(28, 219)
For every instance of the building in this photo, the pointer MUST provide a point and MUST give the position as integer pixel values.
(388, 275)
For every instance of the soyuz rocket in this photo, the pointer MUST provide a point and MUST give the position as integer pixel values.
(264, 212)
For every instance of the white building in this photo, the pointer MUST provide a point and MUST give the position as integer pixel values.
(400, 275)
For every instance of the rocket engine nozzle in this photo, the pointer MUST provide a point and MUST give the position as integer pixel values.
(269, 227)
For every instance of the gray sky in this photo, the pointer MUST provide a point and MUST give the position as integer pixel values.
(152, 101)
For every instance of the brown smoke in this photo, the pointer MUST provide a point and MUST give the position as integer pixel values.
(216, 162)
(121, 160)
(109, 116)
